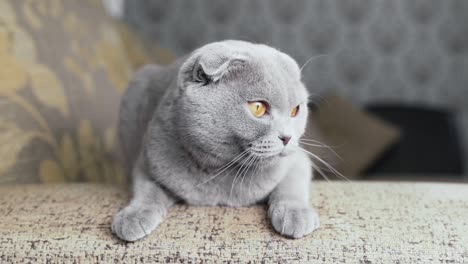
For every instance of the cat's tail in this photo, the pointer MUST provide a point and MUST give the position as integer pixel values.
(115, 8)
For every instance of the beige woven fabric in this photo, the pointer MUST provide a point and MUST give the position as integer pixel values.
(361, 222)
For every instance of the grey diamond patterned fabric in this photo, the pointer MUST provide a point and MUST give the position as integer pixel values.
(410, 51)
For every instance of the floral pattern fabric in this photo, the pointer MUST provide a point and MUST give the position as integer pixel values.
(63, 68)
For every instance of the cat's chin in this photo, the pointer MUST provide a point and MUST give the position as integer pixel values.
(286, 152)
(269, 160)
(275, 155)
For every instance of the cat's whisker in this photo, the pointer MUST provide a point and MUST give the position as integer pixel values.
(317, 168)
(225, 167)
(319, 99)
(320, 170)
(315, 141)
(333, 170)
(319, 56)
(260, 165)
(241, 168)
(254, 161)
(233, 168)
(244, 171)
(254, 172)
(307, 140)
(236, 159)
(322, 146)
(313, 145)
(248, 164)
(310, 59)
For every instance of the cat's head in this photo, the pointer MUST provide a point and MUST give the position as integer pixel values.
(238, 96)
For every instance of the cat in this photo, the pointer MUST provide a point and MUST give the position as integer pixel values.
(220, 126)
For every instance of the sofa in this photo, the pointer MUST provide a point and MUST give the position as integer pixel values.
(64, 66)
(361, 222)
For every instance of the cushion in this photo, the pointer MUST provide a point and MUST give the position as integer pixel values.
(354, 138)
(63, 68)
(360, 223)
(429, 143)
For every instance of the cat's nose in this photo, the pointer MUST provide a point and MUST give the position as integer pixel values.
(285, 139)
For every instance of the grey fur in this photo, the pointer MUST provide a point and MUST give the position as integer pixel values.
(180, 125)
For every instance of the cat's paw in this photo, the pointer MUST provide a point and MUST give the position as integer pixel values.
(292, 220)
(131, 224)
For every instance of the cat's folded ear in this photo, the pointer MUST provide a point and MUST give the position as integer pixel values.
(210, 64)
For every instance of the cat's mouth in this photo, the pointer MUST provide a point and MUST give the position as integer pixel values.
(269, 152)
(266, 153)
(267, 149)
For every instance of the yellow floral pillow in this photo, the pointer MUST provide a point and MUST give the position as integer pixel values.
(63, 68)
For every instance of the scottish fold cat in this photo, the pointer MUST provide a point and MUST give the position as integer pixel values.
(218, 127)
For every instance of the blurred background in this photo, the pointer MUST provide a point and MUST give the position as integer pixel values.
(403, 61)
(389, 79)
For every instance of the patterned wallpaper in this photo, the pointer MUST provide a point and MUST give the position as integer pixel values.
(413, 51)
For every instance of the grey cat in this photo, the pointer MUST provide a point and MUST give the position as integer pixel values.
(218, 127)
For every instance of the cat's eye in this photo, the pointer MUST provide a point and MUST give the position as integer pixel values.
(294, 111)
(257, 108)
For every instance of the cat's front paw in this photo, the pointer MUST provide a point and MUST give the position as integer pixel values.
(131, 224)
(293, 220)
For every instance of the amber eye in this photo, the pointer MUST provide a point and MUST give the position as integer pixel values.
(258, 109)
(294, 111)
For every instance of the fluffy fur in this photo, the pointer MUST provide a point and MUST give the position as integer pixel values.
(188, 135)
